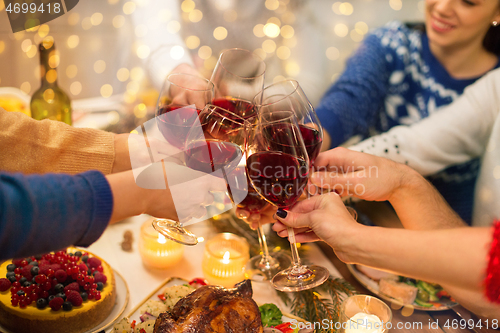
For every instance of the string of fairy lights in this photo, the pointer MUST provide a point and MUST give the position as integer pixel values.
(277, 34)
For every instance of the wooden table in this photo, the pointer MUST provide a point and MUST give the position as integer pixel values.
(419, 321)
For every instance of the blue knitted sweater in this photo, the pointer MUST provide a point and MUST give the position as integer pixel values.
(42, 213)
(394, 79)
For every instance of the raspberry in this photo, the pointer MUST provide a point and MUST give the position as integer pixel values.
(83, 268)
(99, 277)
(61, 275)
(72, 286)
(93, 262)
(55, 267)
(56, 303)
(4, 284)
(17, 262)
(43, 262)
(26, 272)
(74, 297)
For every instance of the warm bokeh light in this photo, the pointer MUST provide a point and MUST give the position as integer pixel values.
(48, 95)
(113, 2)
(96, 19)
(341, 30)
(332, 53)
(271, 30)
(336, 8)
(87, 23)
(123, 74)
(287, 31)
(272, 4)
(204, 52)
(25, 45)
(71, 71)
(258, 30)
(106, 90)
(137, 74)
(113, 117)
(73, 41)
(192, 42)
(195, 16)
(118, 21)
(32, 51)
(292, 68)
(356, 36)
(283, 52)
(2, 46)
(54, 59)
(346, 8)
(164, 15)
(278, 78)
(75, 88)
(188, 6)
(129, 7)
(99, 66)
(361, 28)
(48, 42)
(210, 63)
(269, 46)
(396, 4)
(261, 53)
(25, 87)
(43, 30)
(220, 33)
(51, 76)
(177, 52)
(140, 110)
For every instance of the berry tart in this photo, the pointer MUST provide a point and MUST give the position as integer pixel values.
(70, 291)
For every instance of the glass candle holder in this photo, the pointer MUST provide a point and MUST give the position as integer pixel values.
(224, 259)
(157, 251)
(365, 314)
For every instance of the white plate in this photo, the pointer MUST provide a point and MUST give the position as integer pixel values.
(122, 296)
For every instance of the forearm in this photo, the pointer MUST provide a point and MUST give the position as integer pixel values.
(419, 205)
(32, 146)
(461, 263)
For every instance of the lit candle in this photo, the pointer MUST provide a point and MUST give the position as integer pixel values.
(224, 260)
(364, 323)
(156, 251)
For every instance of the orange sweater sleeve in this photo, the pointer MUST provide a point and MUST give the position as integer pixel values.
(33, 146)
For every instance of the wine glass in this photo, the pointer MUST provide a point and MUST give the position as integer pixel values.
(181, 99)
(238, 76)
(278, 168)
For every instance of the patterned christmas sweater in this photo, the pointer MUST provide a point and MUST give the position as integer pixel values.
(393, 79)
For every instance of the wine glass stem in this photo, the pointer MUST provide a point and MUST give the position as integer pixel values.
(263, 245)
(293, 246)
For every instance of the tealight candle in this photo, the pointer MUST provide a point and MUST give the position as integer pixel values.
(157, 251)
(364, 314)
(224, 260)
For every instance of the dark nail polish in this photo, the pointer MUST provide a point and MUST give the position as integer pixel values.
(281, 213)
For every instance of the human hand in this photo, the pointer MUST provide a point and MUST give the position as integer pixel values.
(361, 175)
(322, 217)
(264, 216)
(188, 89)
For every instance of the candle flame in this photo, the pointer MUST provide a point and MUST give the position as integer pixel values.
(225, 257)
(161, 239)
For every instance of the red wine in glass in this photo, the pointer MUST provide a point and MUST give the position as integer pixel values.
(175, 126)
(312, 141)
(242, 108)
(211, 155)
(279, 177)
(252, 202)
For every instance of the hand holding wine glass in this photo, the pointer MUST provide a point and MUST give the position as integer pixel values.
(278, 168)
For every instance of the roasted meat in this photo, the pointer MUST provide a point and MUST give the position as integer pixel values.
(213, 309)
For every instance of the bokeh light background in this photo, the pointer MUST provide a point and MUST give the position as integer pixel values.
(101, 53)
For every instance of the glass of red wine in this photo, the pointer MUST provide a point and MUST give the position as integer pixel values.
(181, 99)
(238, 76)
(278, 168)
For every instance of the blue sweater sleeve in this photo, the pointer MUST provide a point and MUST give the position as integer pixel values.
(349, 107)
(42, 213)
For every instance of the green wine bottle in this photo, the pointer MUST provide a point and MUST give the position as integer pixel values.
(50, 101)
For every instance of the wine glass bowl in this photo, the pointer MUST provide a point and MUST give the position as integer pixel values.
(181, 99)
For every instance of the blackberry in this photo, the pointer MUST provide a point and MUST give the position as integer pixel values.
(11, 268)
(41, 303)
(67, 306)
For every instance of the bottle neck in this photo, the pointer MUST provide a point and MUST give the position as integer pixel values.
(48, 74)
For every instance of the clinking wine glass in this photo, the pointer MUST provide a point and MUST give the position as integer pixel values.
(181, 99)
(238, 76)
(278, 168)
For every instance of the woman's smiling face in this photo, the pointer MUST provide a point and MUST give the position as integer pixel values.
(457, 23)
